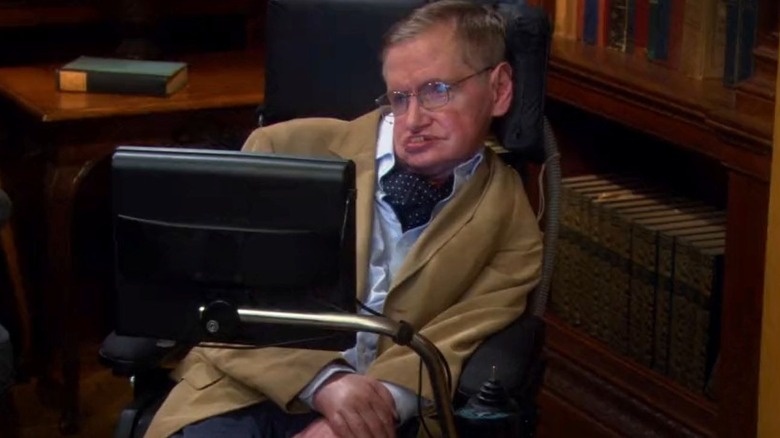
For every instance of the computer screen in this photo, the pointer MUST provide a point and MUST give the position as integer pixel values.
(194, 227)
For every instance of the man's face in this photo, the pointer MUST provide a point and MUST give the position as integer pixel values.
(433, 142)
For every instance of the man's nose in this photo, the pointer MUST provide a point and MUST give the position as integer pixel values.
(416, 116)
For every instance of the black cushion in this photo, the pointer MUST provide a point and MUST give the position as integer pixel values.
(323, 56)
(129, 355)
(514, 352)
(528, 44)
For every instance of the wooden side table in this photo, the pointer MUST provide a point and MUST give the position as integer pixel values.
(71, 132)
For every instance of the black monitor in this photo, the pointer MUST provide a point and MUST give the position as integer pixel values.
(199, 229)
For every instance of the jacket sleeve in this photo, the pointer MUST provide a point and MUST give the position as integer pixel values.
(307, 137)
(280, 373)
(495, 298)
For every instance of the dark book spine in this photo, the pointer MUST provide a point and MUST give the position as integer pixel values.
(676, 15)
(590, 22)
(663, 306)
(642, 307)
(660, 23)
(126, 83)
(748, 18)
(698, 272)
(630, 25)
(561, 298)
(618, 23)
(580, 20)
(732, 42)
(641, 24)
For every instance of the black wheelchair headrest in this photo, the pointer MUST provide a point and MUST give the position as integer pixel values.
(528, 36)
(323, 59)
(323, 56)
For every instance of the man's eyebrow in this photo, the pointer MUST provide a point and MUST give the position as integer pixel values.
(425, 82)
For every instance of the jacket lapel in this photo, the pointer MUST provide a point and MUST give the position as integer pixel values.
(446, 223)
(359, 145)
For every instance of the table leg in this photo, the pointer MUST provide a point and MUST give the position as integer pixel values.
(60, 298)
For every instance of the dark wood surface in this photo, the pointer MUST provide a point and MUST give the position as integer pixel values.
(72, 134)
(217, 80)
(586, 381)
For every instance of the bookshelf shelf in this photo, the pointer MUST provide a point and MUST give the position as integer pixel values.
(598, 368)
(695, 114)
(595, 388)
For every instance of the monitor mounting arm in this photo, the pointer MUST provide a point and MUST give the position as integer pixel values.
(400, 332)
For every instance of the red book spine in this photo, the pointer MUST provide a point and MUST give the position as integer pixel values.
(676, 33)
(580, 19)
(641, 23)
(603, 28)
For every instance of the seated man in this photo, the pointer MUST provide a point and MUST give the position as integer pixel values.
(447, 241)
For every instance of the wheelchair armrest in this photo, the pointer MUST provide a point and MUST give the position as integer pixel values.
(515, 352)
(130, 355)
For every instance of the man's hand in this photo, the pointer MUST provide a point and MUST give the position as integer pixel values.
(356, 406)
(319, 428)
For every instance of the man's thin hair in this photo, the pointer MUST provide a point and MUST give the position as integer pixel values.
(479, 30)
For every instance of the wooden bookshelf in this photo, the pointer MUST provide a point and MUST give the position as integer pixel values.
(590, 390)
(42, 13)
(40, 31)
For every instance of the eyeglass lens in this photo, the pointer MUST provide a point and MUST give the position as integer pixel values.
(431, 95)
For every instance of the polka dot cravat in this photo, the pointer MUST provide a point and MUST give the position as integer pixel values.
(413, 196)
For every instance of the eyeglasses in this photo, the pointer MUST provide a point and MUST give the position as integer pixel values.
(430, 96)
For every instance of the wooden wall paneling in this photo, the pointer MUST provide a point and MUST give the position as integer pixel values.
(769, 384)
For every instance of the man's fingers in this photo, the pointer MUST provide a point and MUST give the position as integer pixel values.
(384, 395)
(344, 424)
(380, 420)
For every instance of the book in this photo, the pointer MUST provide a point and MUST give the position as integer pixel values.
(89, 74)
(695, 322)
(617, 32)
(644, 300)
(704, 39)
(713, 227)
(590, 22)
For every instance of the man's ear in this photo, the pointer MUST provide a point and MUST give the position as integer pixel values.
(502, 83)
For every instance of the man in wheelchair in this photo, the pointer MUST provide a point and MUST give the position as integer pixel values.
(447, 241)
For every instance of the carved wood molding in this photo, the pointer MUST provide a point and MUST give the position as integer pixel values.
(607, 404)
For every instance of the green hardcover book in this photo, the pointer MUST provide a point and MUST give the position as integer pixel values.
(644, 300)
(603, 260)
(612, 270)
(697, 284)
(600, 320)
(610, 273)
(663, 280)
(564, 286)
(615, 233)
(564, 278)
(122, 76)
(572, 304)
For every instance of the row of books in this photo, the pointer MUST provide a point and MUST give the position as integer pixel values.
(641, 270)
(701, 38)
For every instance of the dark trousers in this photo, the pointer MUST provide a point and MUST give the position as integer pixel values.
(263, 420)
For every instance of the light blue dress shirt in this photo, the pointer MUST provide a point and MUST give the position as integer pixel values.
(389, 247)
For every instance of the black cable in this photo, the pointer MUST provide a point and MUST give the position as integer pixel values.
(419, 401)
(368, 309)
(447, 370)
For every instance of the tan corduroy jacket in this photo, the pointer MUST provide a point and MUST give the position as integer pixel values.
(466, 277)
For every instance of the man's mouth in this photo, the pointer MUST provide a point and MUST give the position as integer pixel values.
(417, 141)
